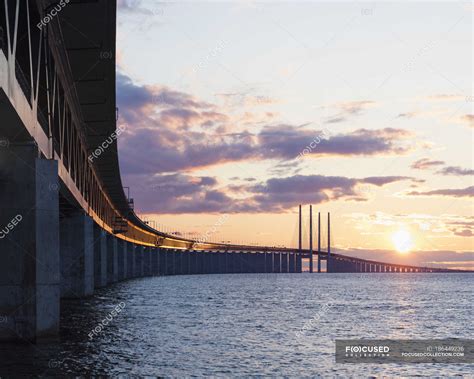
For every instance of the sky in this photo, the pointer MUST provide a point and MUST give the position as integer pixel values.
(234, 113)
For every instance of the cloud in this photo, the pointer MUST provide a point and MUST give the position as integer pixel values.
(177, 193)
(180, 193)
(171, 131)
(407, 115)
(461, 192)
(348, 109)
(280, 194)
(335, 120)
(129, 5)
(468, 119)
(245, 99)
(285, 141)
(136, 7)
(464, 233)
(355, 107)
(171, 134)
(383, 180)
(139, 104)
(446, 97)
(455, 170)
(426, 163)
(462, 228)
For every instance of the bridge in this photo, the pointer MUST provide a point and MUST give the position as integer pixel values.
(67, 226)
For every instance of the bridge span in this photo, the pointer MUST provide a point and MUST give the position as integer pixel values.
(66, 225)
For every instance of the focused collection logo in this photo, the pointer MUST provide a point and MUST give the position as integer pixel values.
(450, 350)
(367, 351)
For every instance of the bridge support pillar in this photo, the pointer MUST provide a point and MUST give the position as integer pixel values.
(237, 262)
(277, 262)
(230, 262)
(268, 262)
(241, 262)
(291, 263)
(298, 263)
(176, 259)
(138, 261)
(201, 263)
(250, 262)
(214, 262)
(192, 262)
(155, 261)
(100, 257)
(76, 255)
(184, 262)
(209, 260)
(112, 259)
(206, 267)
(244, 262)
(125, 261)
(162, 261)
(147, 261)
(188, 262)
(284, 262)
(263, 262)
(168, 259)
(121, 269)
(29, 245)
(130, 258)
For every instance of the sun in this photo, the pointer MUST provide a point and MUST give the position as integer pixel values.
(402, 241)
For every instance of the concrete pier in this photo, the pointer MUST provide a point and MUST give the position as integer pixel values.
(221, 263)
(155, 262)
(162, 261)
(284, 262)
(186, 262)
(268, 262)
(138, 261)
(130, 258)
(112, 259)
(29, 245)
(200, 262)
(291, 263)
(298, 267)
(277, 263)
(147, 261)
(194, 263)
(178, 269)
(76, 255)
(121, 259)
(100, 257)
(167, 261)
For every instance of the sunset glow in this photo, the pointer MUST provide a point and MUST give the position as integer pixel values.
(402, 241)
(218, 130)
